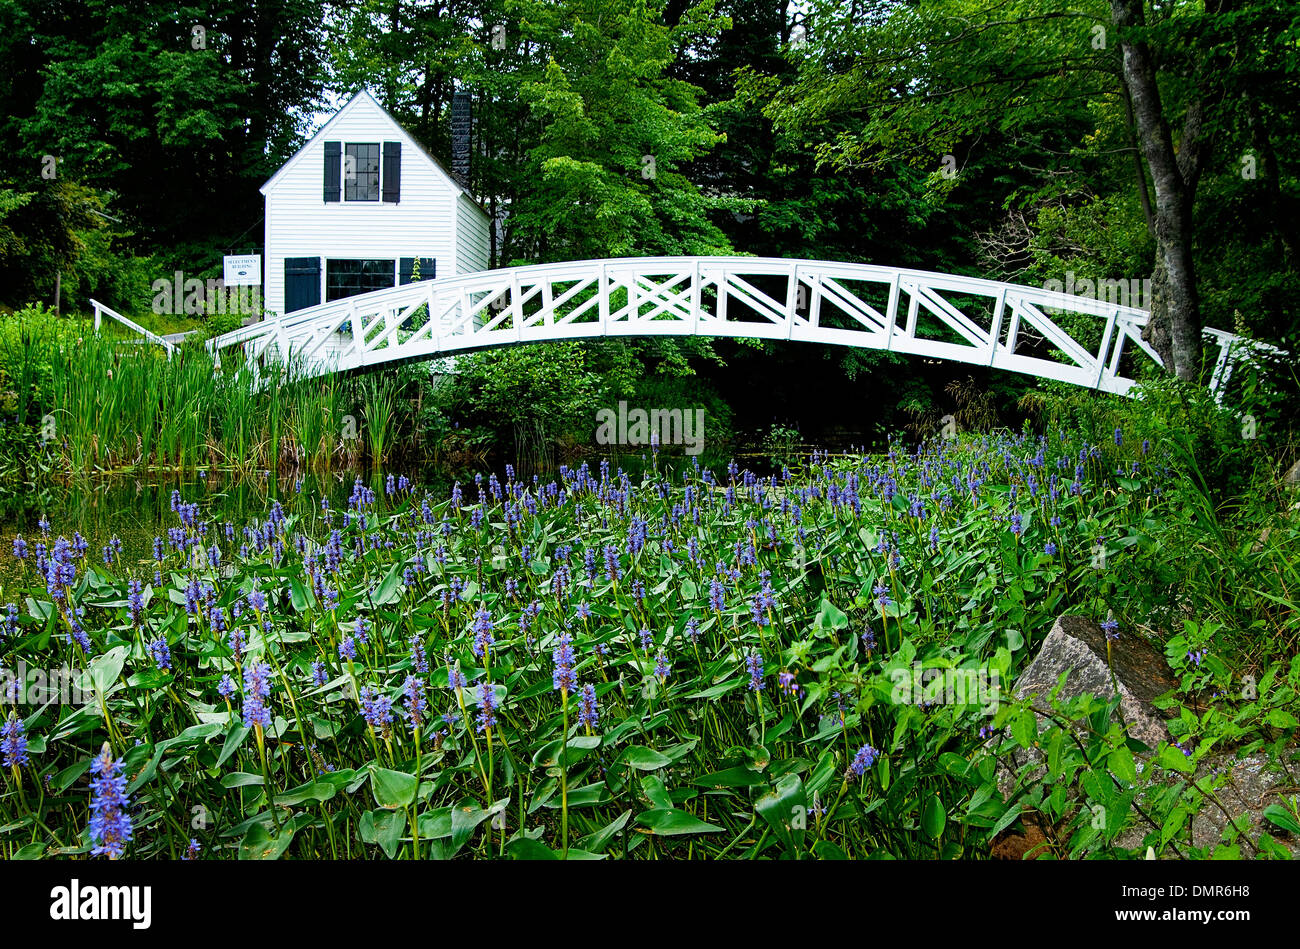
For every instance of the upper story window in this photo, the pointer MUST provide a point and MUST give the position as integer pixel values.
(363, 171)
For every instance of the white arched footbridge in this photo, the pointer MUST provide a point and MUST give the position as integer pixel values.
(1087, 342)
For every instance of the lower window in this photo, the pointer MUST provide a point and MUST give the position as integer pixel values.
(346, 278)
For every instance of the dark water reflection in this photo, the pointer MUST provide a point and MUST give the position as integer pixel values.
(137, 508)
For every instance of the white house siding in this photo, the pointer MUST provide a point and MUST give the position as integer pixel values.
(471, 236)
(299, 223)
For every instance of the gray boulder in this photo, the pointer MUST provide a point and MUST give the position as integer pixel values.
(1077, 645)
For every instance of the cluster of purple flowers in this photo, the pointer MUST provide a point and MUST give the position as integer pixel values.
(881, 590)
(482, 629)
(588, 707)
(662, 666)
(13, 743)
(60, 570)
(161, 652)
(563, 678)
(787, 683)
(110, 823)
(417, 705)
(134, 601)
(717, 596)
(864, 759)
(377, 710)
(257, 689)
(487, 707)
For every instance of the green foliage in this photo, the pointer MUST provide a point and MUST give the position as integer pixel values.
(24, 468)
(182, 128)
(49, 228)
(544, 394)
(846, 750)
(616, 127)
(221, 323)
(543, 399)
(105, 402)
(1226, 446)
(780, 443)
(687, 393)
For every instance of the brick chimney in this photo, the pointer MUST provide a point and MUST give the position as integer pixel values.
(461, 120)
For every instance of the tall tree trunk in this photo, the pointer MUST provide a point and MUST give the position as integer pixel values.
(1174, 330)
(1139, 167)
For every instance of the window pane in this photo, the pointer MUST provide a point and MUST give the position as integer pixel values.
(361, 172)
(345, 278)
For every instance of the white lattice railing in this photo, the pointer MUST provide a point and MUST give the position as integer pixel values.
(939, 316)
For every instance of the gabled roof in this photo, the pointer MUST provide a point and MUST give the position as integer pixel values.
(404, 135)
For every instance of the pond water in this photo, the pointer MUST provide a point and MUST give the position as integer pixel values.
(137, 508)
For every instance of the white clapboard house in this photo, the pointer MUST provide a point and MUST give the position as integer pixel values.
(357, 207)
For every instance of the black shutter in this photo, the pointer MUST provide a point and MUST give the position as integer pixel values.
(392, 173)
(333, 170)
(301, 282)
(406, 267)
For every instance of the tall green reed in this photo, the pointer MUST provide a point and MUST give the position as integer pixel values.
(379, 405)
(116, 405)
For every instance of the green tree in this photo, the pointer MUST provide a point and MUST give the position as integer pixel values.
(1022, 83)
(179, 111)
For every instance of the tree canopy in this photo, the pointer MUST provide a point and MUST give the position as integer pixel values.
(1015, 139)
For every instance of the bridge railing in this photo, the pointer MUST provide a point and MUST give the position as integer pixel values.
(979, 321)
(102, 311)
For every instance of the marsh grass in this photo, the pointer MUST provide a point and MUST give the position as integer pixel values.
(379, 405)
(115, 406)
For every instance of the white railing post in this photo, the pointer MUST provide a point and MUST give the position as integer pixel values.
(791, 300)
(516, 305)
(1105, 346)
(995, 328)
(435, 329)
(891, 317)
(603, 291)
(697, 294)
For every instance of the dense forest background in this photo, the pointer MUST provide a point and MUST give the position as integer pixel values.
(1025, 140)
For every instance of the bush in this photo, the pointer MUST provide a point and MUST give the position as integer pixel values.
(1213, 439)
(220, 323)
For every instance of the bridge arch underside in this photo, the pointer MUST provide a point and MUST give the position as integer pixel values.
(1083, 341)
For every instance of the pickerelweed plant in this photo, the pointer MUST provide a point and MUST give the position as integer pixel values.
(691, 666)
